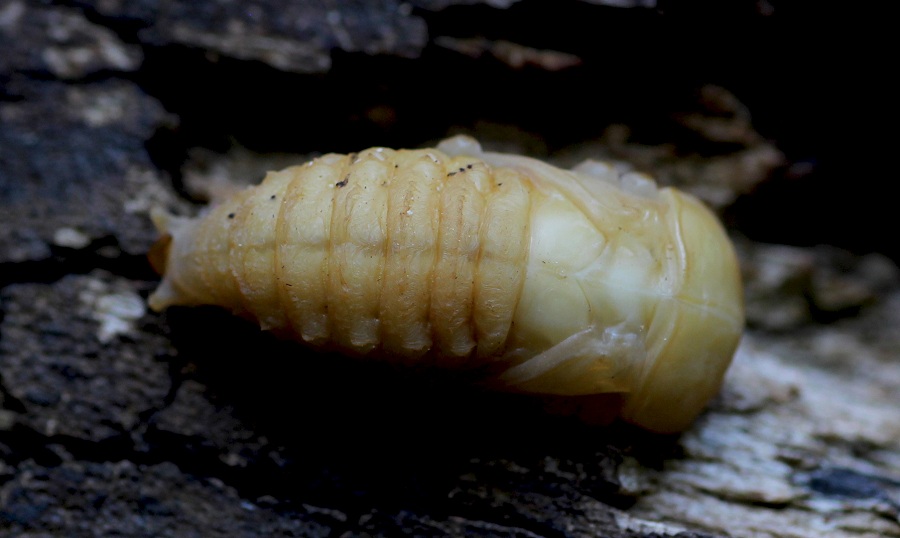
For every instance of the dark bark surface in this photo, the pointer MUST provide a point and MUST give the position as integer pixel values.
(116, 421)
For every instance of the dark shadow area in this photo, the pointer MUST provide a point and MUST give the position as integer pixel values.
(352, 433)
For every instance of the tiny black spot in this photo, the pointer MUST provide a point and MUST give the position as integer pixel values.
(462, 169)
(396, 166)
(231, 215)
(451, 174)
(469, 166)
(344, 182)
(272, 197)
(499, 184)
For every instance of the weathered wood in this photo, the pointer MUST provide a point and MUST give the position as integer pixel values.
(117, 421)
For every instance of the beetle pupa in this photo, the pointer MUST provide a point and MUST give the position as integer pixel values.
(568, 283)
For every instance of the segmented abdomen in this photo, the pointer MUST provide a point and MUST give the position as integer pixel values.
(398, 252)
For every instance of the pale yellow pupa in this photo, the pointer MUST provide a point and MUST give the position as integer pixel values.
(585, 283)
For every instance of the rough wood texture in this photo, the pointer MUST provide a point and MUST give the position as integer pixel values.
(117, 421)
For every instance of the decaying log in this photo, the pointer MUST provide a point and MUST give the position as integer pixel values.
(115, 420)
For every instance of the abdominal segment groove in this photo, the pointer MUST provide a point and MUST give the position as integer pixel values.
(368, 254)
